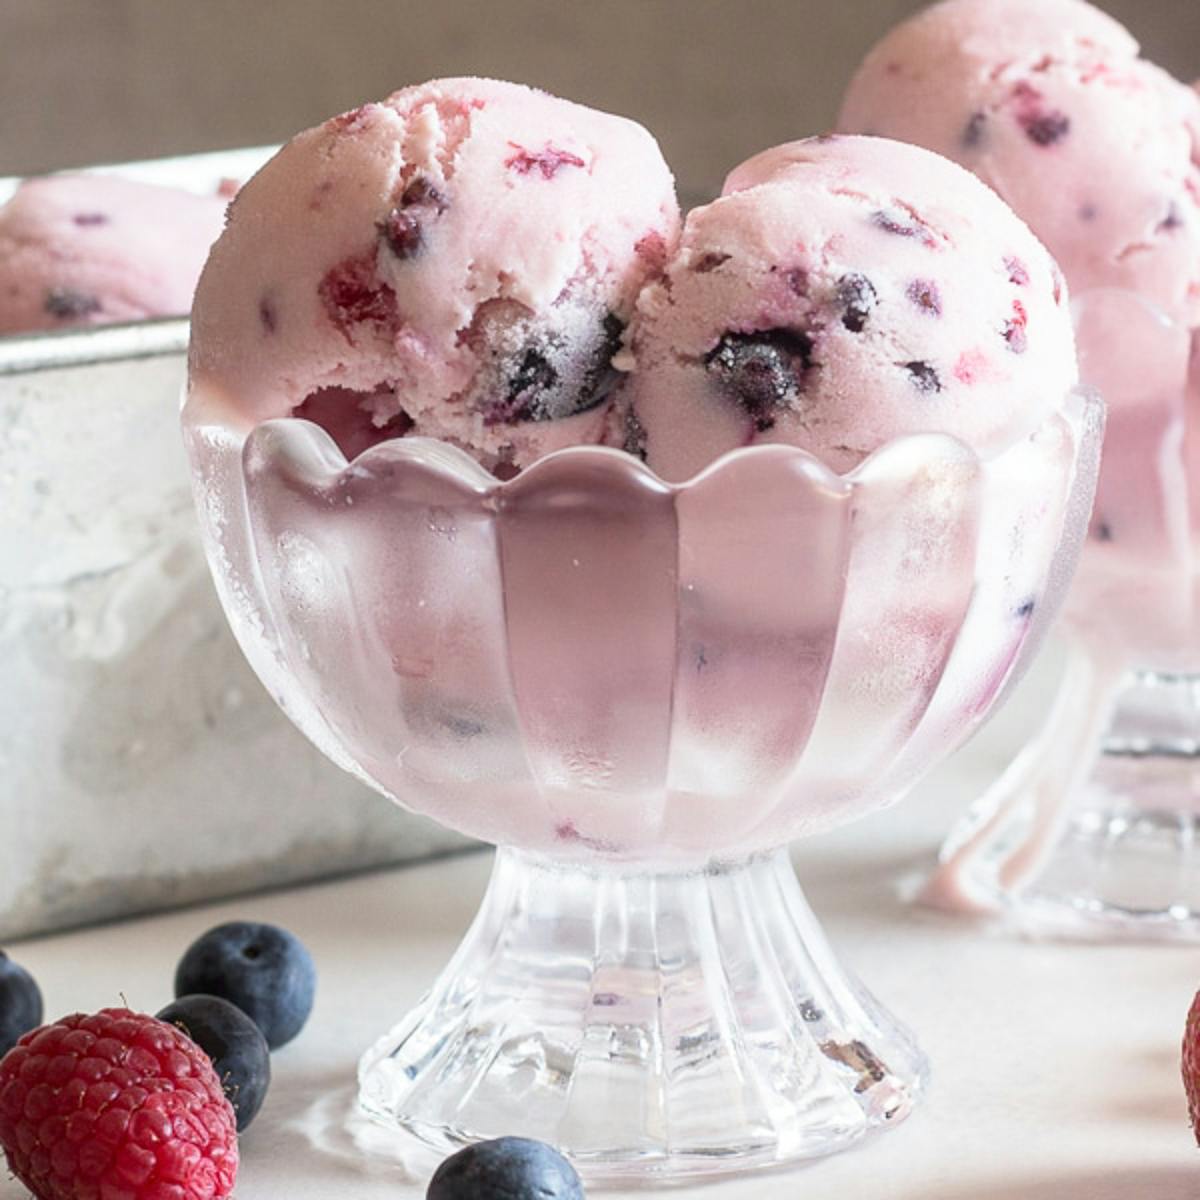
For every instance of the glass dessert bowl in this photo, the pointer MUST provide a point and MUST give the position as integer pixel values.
(1091, 830)
(641, 692)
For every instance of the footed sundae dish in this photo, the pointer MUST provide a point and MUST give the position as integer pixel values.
(1091, 828)
(477, 435)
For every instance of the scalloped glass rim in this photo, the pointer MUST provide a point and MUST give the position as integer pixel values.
(310, 447)
(812, 656)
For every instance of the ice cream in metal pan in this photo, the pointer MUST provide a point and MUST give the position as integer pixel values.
(128, 711)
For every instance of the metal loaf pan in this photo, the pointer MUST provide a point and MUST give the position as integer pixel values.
(142, 765)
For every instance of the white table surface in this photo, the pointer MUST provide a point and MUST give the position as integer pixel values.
(1056, 1071)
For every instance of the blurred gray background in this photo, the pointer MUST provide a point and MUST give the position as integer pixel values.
(85, 81)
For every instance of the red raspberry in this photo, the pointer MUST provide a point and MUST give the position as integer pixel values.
(116, 1106)
(1191, 1065)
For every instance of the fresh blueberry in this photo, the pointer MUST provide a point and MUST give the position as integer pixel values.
(508, 1168)
(266, 971)
(238, 1050)
(20, 1003)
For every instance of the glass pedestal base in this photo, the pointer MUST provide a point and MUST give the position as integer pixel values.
(650, 1025)
(1109, 846)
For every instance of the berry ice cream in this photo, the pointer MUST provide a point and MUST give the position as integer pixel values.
(459, 262)
(94, 249)
(1048, 102)
(841, 293)
(1099, 150)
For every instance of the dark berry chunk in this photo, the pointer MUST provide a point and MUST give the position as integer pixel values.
(88, 220)
(762, 371)
(975, 130)
(599, 374)
(552, 375)
(422, 192)
(709, 262)
(1015, 329)
(1173, 220)
(797, 281)
(353, 294)
(857, 298)
(534, 376)
(268, 317)
(547, 161)
(404, 227)
(925, 295)
(1045, 128)
(66, 303)
(1025, 609)
(402, 230)
(233, 1042)
(902, 224)
(925, 377)
(1018, 273)
(634, 441)
(20, 1003)
(266, 971)
(1102, 531)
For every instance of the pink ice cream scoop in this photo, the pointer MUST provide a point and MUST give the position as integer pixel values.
(88, 249)
(843, 292)
(457, 262)
(1048, 102)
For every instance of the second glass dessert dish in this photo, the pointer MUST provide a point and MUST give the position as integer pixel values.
(640, 692)
(1091, 831)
